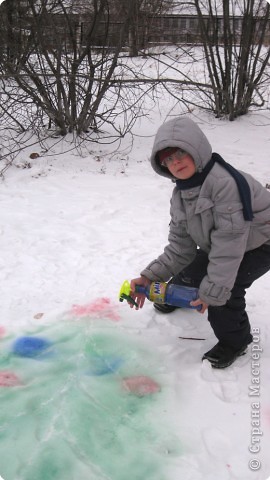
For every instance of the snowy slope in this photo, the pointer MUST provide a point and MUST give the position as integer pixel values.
(73, 228)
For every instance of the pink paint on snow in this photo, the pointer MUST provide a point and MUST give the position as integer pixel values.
(99, 308)
(140, 385)
(2, 331)
(9, 379)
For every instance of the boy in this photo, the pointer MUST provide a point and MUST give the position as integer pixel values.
(219, 239)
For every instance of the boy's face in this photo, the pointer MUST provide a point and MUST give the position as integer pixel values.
(181, 165)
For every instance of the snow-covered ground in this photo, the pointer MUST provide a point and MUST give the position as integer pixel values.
(72, 229)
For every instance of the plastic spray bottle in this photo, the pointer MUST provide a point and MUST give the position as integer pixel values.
(161, 292)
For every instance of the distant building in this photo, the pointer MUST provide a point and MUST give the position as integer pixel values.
(179, 26)
(185, 28)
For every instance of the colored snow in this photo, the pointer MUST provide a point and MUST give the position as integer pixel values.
(99, 308)
(8, 379)
(140, 385)
(71, 417)
(32, 347)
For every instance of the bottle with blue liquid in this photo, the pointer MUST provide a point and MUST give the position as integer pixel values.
(161, 292)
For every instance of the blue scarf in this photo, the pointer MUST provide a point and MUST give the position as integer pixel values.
(243, 187)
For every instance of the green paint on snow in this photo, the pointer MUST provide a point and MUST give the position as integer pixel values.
(71, 417)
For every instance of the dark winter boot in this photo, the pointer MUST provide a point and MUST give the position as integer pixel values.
(164, 308)
(222, 356)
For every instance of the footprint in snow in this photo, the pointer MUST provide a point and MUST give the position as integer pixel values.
(224, 383)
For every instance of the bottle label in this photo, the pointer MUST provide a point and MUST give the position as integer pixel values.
(157, 292)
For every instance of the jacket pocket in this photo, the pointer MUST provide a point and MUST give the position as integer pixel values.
(203, 204)
(229, 217)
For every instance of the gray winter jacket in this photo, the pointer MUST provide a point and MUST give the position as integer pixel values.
(209, 217)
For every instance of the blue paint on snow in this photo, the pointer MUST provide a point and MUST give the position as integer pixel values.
(31, 347)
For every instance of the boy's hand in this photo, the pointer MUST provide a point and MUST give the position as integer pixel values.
(138, 297)
(198, 302)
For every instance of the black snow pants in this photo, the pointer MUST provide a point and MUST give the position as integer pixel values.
(230, 322)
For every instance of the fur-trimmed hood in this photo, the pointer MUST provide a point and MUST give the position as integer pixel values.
(181, 132)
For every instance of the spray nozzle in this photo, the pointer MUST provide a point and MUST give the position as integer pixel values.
(125, 294)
